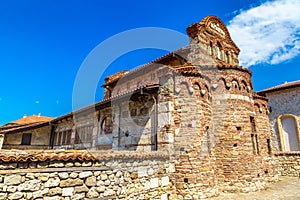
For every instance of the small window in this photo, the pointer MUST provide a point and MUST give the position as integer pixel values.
(211, 50)
(254, 140)
(253, 125)
(269, 146)
(26, 139)
(227, 57)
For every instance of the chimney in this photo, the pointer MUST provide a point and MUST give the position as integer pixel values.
(39, 114)
(24, 116)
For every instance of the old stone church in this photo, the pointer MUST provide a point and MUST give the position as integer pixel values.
(196, 104)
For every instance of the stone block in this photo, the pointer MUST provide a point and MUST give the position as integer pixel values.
(85, 174)
(154, 183)
(63, 175)
(52, 182)
(71, 182)
(67, 192)
(165, 181)
(15, 195)
(12, 179)
(91, 181)
(31, 185)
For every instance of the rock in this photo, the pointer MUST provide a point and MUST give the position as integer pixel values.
(107, 182)
(43, 177)
(85, 174)
(11, 188)
(87, 164)
(52, 182)
(119, 174)
(40, 193)
(28, 195)
(165, 181)
(31, 185)
(3, 196)
(67, 192)
(103, 177)
(111, 177)
(109, 192)
(97, 173)
(73, 175)
(12, 179)
(79, 189)
(78, 196)
(100, 189)
(142, 172)
(15, 195)
(154, 183)
(91, 181)
(134, 175)
(71, 182)
(69, 164)
(164, 197)
(30, 176)
(92, 193)
(56, 164)
(53, 198)
(150, 171)
(63, 175)
(55, 191)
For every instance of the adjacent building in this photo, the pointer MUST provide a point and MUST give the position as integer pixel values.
(284, 106)
(29, 132)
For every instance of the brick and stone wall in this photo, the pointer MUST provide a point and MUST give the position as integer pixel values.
(110, 176)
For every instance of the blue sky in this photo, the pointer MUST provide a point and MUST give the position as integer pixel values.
(43, 43)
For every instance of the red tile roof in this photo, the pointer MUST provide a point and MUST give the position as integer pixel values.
(45, 155)
(32, 119)
(72, 155)
(25, 123)
(286, 85)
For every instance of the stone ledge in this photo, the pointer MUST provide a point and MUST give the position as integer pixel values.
(41, 170)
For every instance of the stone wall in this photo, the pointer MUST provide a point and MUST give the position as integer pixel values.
(110, 176)
(288, 163)
(283, 102)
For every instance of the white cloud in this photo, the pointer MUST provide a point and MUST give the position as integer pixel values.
(268, 33)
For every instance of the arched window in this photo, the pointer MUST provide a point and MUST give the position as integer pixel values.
(288, 132)
(219, 47)
(211, 50)
(227, 57)
(106, 126)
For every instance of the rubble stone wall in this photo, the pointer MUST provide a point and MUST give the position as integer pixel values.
(288, 163)
(128, 177)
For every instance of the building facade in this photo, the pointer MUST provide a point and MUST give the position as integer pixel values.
(284, 103)
(29, 132)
